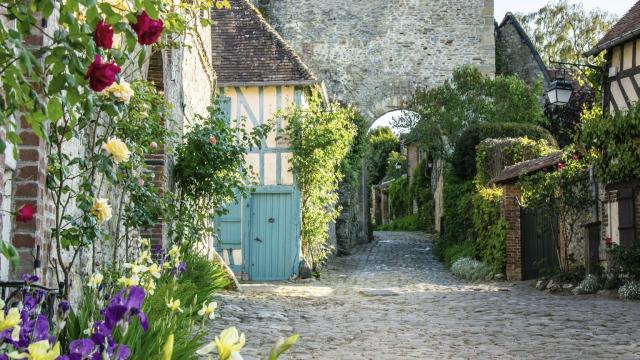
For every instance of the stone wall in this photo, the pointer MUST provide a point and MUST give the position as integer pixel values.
(515, 54)
(374, 53)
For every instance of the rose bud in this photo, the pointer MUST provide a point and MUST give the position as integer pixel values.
(140, 182)
(153, 145)
(103, 35)
(213, 140)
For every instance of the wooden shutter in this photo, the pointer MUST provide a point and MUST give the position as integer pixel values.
(626, 216)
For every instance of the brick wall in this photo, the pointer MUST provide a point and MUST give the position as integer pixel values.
(510, 210)
(31, 238)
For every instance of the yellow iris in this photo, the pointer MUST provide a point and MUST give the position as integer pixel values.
(117, 149)
(101, 210)
(174, 305)
(208, 310)
(40, 350)
(11, 319)
(228, 345)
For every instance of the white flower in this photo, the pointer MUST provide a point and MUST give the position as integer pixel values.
(208, 310)
(154, 270)
(174, 305)
(95, 280)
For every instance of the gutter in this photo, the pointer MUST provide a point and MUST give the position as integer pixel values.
(268, 83)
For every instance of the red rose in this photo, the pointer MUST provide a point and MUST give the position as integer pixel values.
(101, 75)
(148, 30)
(25, 213)
(560, 166)
(103, 35)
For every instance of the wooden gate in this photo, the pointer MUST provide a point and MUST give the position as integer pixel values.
(539, 236)
(272, 245)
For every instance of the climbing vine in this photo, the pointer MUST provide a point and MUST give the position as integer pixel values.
(564, 190)
(613, 142)
(320, 138)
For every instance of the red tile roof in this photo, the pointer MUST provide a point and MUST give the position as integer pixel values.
(628, 27)
(248, 51)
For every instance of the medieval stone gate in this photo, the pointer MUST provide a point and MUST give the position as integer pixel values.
(374, 53)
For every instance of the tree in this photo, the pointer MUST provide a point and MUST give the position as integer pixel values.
(382, 141)
(470, 97)
(564, 31)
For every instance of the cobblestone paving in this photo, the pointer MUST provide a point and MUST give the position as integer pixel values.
(392, 299)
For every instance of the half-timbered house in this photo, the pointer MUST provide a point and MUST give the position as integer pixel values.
(258, 74)
(621, 89)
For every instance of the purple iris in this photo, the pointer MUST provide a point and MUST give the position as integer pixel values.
(121, 309)
(81, 349)
(30, 278)
(63, 310)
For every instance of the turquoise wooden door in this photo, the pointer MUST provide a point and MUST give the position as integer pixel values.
(273, 240)
(229, 228)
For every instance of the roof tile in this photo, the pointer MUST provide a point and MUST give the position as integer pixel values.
(247, 50)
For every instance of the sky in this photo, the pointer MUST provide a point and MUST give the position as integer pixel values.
(618, 7)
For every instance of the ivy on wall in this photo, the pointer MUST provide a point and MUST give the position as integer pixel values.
(613, 142)
(320, 138)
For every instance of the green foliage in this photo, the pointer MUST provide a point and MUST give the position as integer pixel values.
(400, 200)
(613, 142)
(625, 261)
(405, 223)
(320, 138)
(352, 163)
(518, 150)
(382, 142)
(210, 175)
(566, 192)
(564, 31)
(450, 253)
(421, 191)
(465, 154)
(490, 229)
(444, 112)
(10, 253)
(457, 209)
(195, 286)
(396, 165)
(468, 268)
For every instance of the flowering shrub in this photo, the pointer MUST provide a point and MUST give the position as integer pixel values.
(470, 269)
(630, 290)
(590, 285)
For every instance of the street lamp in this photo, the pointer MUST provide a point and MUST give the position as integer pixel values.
(559, 91)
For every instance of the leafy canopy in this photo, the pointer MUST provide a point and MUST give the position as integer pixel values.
(470, 97)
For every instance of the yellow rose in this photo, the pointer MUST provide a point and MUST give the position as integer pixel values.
(101, 210)
(122, 91)
(117, 149)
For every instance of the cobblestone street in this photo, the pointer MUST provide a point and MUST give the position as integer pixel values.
(392, 299)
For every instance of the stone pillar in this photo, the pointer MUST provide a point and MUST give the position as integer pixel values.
(157, 164)
(510, 211)
(31, 238)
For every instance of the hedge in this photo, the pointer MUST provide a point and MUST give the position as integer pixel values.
(464, 157)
